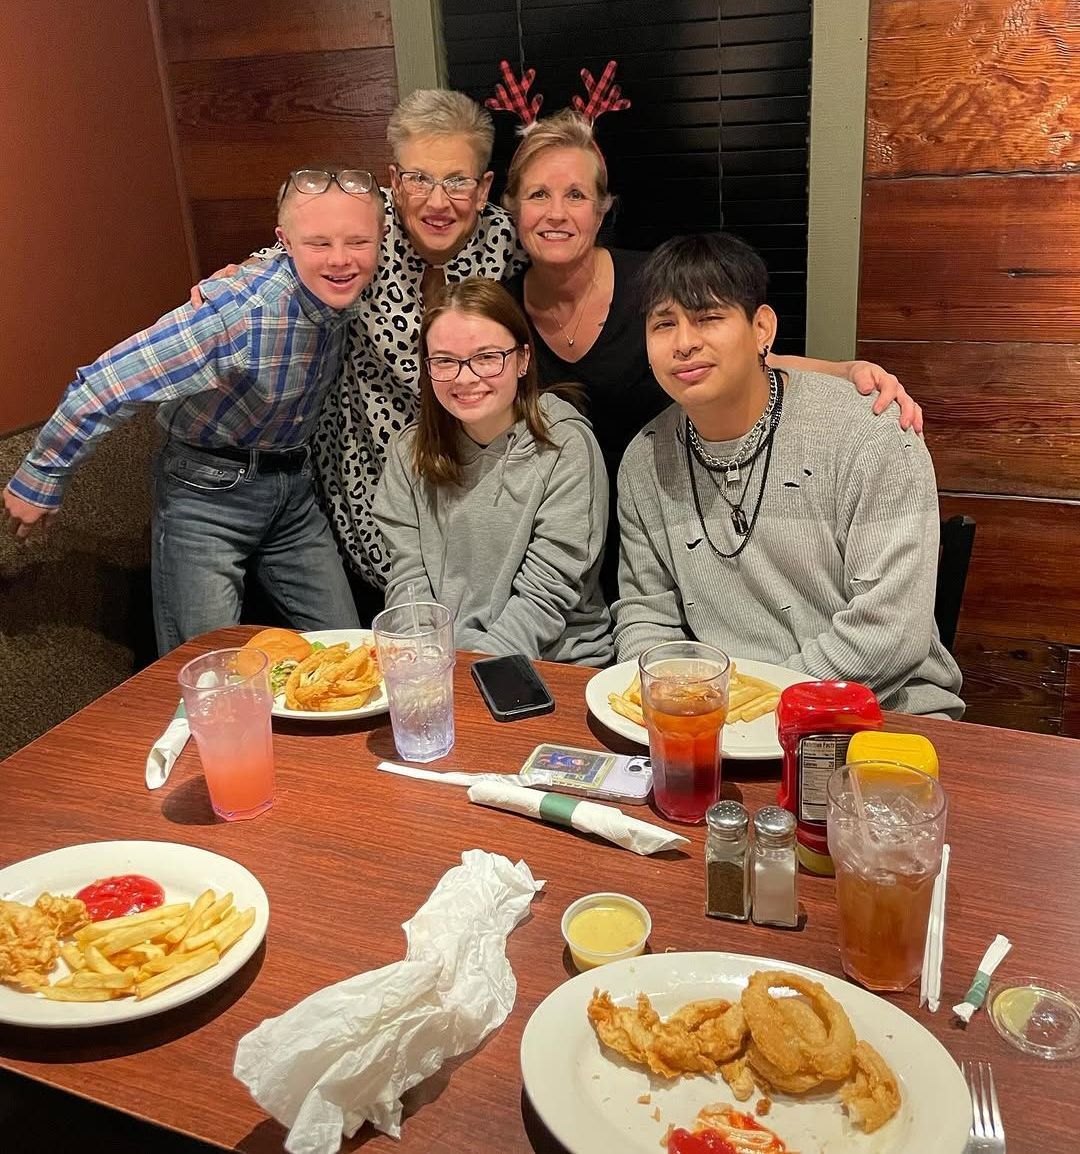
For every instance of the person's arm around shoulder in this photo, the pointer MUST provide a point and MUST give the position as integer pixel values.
(567, 540)
(650, 609)
(396, 513)
(186, 352)
(888, 528)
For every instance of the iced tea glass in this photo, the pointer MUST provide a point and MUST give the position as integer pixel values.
(228, 701)
(684, 696)
(886, 847)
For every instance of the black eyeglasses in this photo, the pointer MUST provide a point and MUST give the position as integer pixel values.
(421, 184)
(486, 364)
(313, 181)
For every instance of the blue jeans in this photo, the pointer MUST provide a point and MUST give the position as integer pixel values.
(216, 520)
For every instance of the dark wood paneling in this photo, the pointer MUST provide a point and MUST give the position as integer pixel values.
(1000, 418)
(971, 259)
(196, 30)
(974, 87)
(244, 124)
(1011, 683)
(228, 230)
(1070, 718)
(1024, 579)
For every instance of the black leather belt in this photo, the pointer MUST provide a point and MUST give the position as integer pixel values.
(258, 460)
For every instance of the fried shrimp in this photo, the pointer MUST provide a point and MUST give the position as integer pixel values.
(873, 1097)
(29, 944)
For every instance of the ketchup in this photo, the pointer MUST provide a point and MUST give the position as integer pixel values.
(700, 1142)
(118, 896)
(815, 721)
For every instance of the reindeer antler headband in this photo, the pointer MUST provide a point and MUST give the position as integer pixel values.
(604, 95)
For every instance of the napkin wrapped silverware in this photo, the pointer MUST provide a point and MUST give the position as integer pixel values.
(346, 1054)
(605, 821)
(167, 748)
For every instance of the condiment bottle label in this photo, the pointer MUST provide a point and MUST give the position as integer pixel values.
(819, 755)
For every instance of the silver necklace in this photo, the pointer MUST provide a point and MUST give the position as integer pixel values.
(748, 444)
(571, 337)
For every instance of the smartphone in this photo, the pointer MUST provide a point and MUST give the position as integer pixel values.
(511, 687)
(590, 773)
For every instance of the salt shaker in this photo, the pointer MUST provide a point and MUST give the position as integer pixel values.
(774, 869)
(727, 874)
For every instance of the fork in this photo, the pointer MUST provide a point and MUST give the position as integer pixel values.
(987, 1131)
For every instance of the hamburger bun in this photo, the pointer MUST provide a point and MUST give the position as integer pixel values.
(280, 645)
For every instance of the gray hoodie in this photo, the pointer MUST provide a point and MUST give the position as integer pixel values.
(515, 551)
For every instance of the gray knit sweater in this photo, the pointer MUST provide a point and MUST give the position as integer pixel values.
(839, 576)
(515, 552)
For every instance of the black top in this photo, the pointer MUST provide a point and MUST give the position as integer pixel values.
(622, 391)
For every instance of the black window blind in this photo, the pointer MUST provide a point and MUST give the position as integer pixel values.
(717, 133)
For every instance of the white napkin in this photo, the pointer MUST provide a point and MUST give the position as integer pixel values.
(346, 1054)
(167, 748)
(603, 820)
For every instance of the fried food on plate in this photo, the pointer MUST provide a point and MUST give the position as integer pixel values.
(334, 678)
(30, 937)
(748, 698)
(790, 1044)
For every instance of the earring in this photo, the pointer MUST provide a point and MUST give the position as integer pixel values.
(762, 355)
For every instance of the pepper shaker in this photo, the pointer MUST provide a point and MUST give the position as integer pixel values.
(727, 876)
(775, 869)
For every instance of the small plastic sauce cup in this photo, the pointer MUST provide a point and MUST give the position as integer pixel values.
(621, 912)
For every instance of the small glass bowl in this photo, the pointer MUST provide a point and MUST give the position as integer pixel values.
(1036, 1016)
(586, 959)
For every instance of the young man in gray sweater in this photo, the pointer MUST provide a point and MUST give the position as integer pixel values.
(772, 514)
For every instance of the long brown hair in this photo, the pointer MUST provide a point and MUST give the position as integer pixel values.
(435, 449)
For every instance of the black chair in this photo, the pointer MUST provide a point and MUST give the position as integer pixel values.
(957, 539)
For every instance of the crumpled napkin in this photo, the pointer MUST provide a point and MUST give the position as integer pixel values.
(605, 821)
(346, 1054)
(167, 748)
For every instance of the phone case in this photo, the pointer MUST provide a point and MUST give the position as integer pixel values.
(518, 669)
(591, 773)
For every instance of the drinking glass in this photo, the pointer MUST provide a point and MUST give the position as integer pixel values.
(228, 701)
(885, 840)
(416, 655)
(684, 696)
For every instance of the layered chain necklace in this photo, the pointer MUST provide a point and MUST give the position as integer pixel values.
(763, 441)
(748, 446)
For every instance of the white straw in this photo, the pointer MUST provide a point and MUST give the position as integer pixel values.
(930, 991)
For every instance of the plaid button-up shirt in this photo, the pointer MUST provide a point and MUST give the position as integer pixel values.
(249, 369)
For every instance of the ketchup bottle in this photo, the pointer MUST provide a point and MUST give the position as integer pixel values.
(815, 721)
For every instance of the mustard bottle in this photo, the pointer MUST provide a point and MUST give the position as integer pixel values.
(907, 748)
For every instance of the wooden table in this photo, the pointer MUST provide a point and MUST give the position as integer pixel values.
(348, 853)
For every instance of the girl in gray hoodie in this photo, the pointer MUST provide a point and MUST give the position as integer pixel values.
(495, 502)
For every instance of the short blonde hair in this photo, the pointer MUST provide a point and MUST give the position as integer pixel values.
(565, 129)
(441, 112)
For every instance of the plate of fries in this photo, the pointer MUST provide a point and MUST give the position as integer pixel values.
(614, 697)
(214, 917)
(338, 682)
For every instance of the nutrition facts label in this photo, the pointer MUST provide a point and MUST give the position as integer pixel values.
(818, 757)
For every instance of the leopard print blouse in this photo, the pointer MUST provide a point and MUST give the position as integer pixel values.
(378, 390)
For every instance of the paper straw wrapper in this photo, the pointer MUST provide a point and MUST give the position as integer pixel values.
(558, 809)
(167, 748)
(973, 999)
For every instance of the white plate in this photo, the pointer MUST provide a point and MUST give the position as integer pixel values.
(744, 739)
(376, 704)
(589, 1100)
(183, 871)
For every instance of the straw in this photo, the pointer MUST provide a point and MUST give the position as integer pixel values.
(930, 988)
(860, 807)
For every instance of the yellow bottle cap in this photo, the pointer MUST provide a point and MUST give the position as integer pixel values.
(907, 748)
(817, 863)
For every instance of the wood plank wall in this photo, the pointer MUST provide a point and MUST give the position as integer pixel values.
(970, 291)
(266, 86)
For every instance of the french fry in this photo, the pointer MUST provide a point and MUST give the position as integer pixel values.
(204, 901)
(87, 980)
(73, 956)
(195, 942)
(96, 930)
(216, 913)
(622, 705)
(195, 964)
(120, 940)
(766, 703)
(160, 965)
(71, 994)
(748, 698)
(230, 934)
(97, 961)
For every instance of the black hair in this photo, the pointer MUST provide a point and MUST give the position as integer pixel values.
(697, 272)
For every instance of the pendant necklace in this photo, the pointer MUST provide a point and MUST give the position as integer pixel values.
(571, 337)
(749, 444)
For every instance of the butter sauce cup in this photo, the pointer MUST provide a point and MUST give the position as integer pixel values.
(610, 927)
